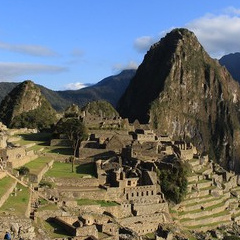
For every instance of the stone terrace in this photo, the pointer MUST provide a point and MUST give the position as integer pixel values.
(209, 202)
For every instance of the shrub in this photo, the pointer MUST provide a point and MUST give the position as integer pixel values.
(231, 238)
(45, 184)
(174, 181)
(23, 171)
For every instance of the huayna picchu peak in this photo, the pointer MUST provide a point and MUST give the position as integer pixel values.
(185, 93)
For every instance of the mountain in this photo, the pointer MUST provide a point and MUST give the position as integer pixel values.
(109, 89)
(25, 106)
(186, 94)
(232, 63)
(5, 88)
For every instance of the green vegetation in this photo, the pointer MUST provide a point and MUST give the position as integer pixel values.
(23, 171)
(231, 238)
(43, 117)
(38, 164)
(5, 183)
(150, 236)
(45, 184)
(75, 131)
(40, 139)
(96, 202)
(100, 108)
(25, 106)
(53, 229)
(174, 181)
(64, 170)
(16, 204)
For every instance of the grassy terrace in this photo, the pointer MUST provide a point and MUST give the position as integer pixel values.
(96, 202)
(208, 225)
(38, 164)
(206, 209)
(207, 200)
(5, 183)
(223, 213)
(200, 181)
(64, 170)
(17, 204)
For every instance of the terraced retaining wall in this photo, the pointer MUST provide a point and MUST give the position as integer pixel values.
(36, 178)
(76, 182)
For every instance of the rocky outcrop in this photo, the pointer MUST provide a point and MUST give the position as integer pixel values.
(187, 94)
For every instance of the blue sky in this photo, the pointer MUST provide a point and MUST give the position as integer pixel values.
(68, 44)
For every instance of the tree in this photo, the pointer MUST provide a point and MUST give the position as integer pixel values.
(173, 181)
(75, 131)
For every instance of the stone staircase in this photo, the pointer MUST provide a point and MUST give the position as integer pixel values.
(208, 203)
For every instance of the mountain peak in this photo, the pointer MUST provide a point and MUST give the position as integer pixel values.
(25, 98)
(186, 94)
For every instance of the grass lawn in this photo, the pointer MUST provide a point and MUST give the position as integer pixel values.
(96, 202)
(5, 183)
(38, 164)
(17, 204)
(64, 170)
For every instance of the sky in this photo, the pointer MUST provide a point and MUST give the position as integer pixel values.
(70, 44)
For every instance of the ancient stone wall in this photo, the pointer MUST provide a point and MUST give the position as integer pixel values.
(144, 224)
(46, 214)
(28, 208)
(95, 195)
(36, 178)
(87, 231)
(206, 212)
(17, 156)
(64, 222)
(113, 194)
(139, 192)
(76, 182)
(150, 209)
(97, 209)
(119, 211)
(3, 141)
(111, 229)
(95, 154)
(13, 223)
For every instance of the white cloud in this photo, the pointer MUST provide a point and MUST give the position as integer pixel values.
(119, 67)
(76, 86)
(232, 11)
(219, 34)
(142, 44)
(9, 71)
(76, 52)
(34, 50)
